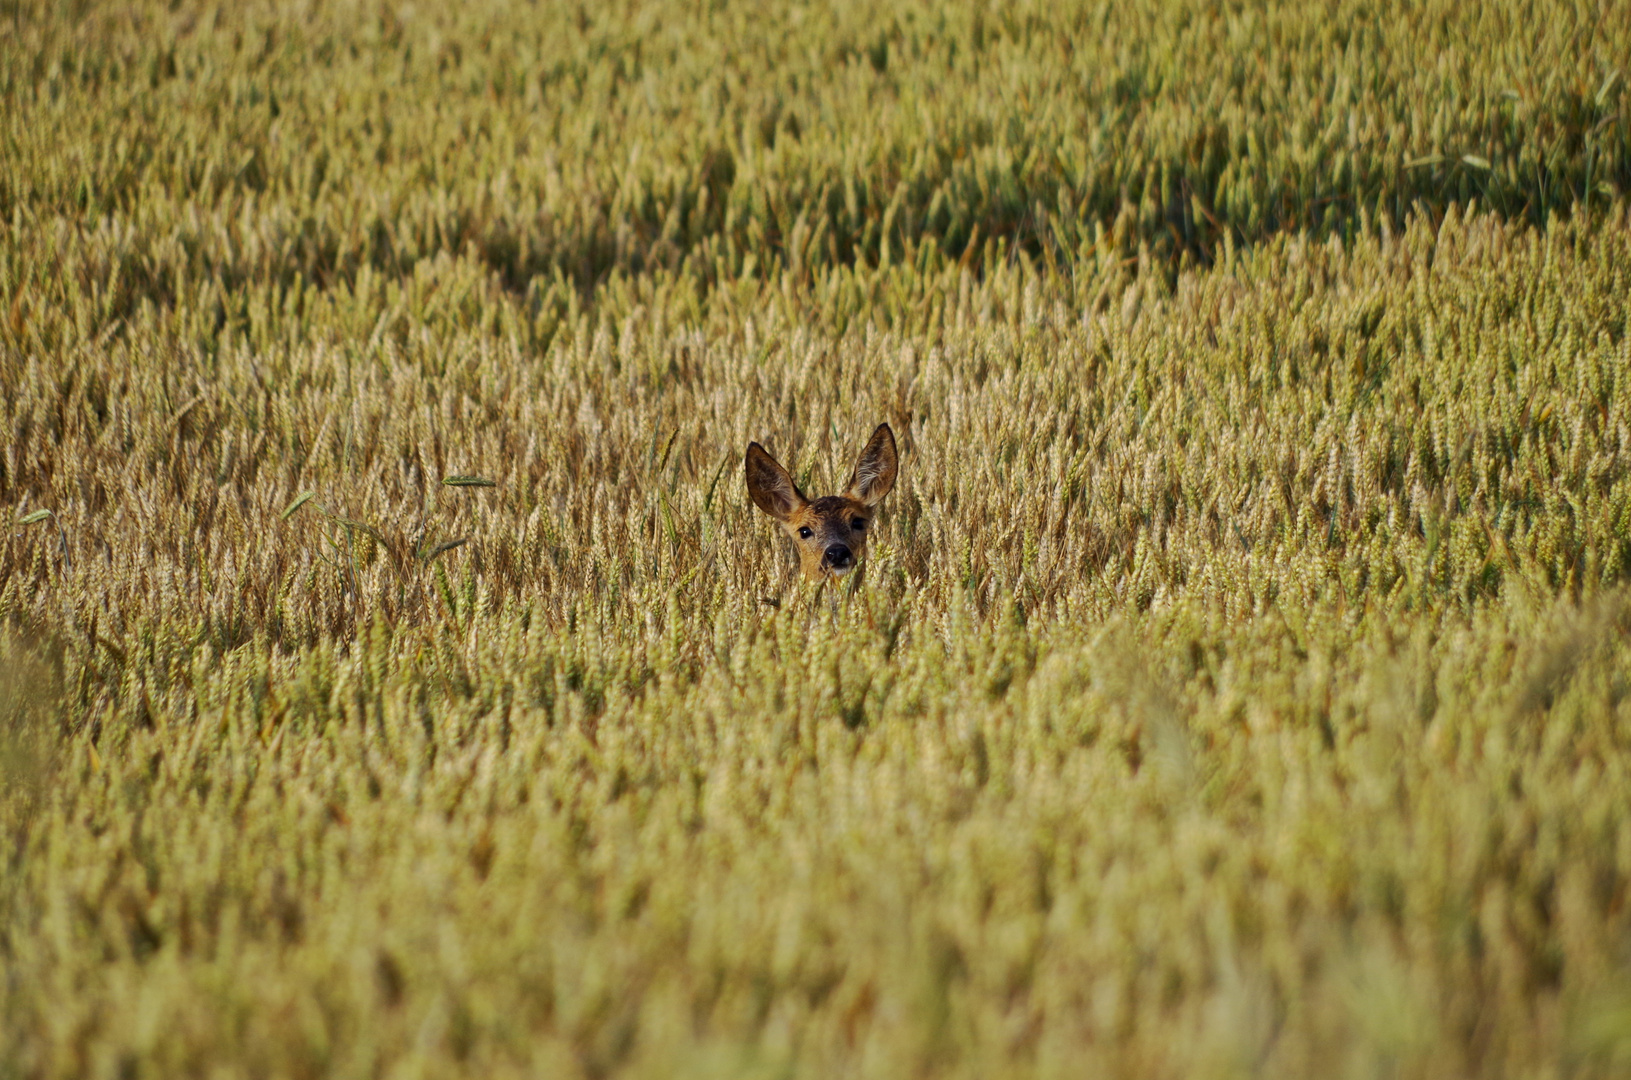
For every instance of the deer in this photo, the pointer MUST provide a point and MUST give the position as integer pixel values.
(829, 533)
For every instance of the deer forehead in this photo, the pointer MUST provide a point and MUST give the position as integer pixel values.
(827, 511)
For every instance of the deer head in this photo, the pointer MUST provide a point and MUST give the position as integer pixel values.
(830, 533)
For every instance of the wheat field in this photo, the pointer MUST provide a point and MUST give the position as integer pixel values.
(397, 681)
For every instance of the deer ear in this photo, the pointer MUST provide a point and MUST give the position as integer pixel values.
(771, 489)
(875, 471)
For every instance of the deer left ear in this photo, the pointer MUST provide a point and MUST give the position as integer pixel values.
(769, 485)
(875, 471)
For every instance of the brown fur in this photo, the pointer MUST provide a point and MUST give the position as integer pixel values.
(837, 525)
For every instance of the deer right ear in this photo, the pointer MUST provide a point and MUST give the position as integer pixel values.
(876, 469)
(771, 489)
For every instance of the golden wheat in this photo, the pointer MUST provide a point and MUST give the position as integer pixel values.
(396, 678)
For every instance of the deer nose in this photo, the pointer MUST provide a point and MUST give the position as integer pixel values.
(838, 555)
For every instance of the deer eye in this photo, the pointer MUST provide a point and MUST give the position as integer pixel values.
(858, 524)
(805, 532)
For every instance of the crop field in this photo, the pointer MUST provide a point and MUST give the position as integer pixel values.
(396, 679)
